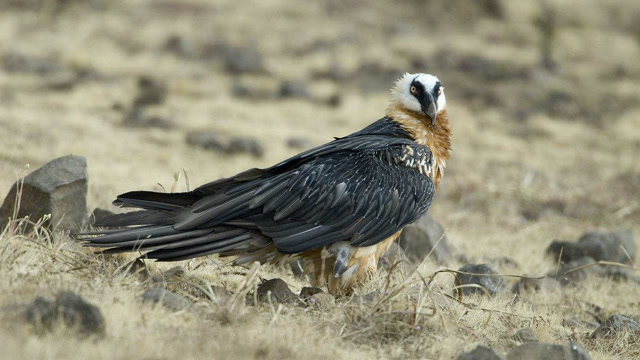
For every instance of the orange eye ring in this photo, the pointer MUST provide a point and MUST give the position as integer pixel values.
(413, 89)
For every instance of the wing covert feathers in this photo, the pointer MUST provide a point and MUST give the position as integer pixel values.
(360, 189)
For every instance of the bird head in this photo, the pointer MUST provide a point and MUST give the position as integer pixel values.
(420, 93)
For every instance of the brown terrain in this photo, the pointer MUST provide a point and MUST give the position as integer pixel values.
(544, 102)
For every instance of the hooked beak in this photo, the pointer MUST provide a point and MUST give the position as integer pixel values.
(429, 108)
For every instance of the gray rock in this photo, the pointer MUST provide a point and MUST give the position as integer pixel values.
(575, 271)
(277, 290)
(245, 145)
(14, 62)
(136, 118)
(211, 140)
(168, 299)
(299, 143)
(179, 46)
(150, 92)
(58, 188)
(493, 284)
(251, 91)
(543, 351)
(420, 238)
(68, 309)
(601, 246)
(308, 292)
(526, 284)
(293, 89)
(239, 60)
(525, 335)
(481, 352)
(615, 325)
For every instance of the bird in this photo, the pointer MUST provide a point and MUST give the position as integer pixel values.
(338, 206)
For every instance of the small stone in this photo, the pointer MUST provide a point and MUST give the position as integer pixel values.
(168, 299)
(239, 60)
(293, 89)
(528, 284)
(423, 236)
(245, 145)
(544, 351)
(211, 140)
(524, 336)
(615, 325)
(136, 118)
(322, 300)
(601, 246)
(277, 290)
(481, 352)
(150, 92)
(308, 292)
(14, 62)
(299, 143)
(493, 284)
(68, 309)
(179, 46)
(577, 270)
(58, 188)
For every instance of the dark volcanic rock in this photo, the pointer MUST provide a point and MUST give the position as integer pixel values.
(524, 336)
(277, 290)
(493, 284)
(168, 299)
(68, 309)
(150, 92)
(543, 351)
(420, 238)
(481, 352)
(58, 188)
(601, 246)
(616, 324)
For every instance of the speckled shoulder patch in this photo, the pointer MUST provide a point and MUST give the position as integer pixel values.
(418, 158)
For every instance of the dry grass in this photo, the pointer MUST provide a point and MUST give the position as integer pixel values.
(526, 169)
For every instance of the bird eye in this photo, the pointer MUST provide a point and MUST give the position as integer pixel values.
(439, 91)
(414, 90)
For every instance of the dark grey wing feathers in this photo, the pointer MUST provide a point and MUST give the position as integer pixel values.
(352, 189)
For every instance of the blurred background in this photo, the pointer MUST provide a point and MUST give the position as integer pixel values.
(543, 97)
